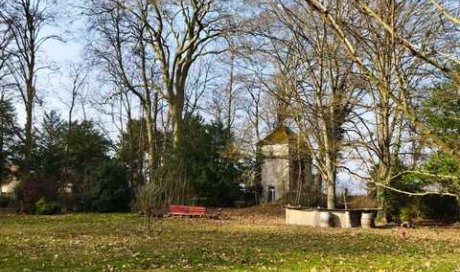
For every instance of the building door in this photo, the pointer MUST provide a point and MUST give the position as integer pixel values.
(271, 194)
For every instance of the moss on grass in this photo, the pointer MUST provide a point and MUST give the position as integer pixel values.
(119, 242)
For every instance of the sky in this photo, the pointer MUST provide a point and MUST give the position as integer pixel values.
(58, 55)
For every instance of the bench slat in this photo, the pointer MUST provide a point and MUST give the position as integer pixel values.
(187, 210)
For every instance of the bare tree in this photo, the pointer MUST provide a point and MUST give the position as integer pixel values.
(400, 47)
(179, 33)
(5, 41)
(314, 84)
(121, 47)
(430, 52)
(198, 85)
(27, 18)
(224, 98)
(253, 107)
(77, 76)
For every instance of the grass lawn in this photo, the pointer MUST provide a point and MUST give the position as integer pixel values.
(120, 242)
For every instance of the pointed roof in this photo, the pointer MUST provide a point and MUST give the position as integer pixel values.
(280, 135)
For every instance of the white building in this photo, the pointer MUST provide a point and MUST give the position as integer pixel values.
(286, 169)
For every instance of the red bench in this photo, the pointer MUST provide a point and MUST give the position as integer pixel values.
(189, 211)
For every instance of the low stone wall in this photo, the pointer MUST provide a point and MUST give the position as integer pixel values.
(311, 217)
(302, 217)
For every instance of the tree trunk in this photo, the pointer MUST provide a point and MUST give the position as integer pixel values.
(151, 140)
(28, 133)
(331, 194)
(330, 181)
(175, 112)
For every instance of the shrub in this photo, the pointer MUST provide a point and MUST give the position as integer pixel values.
(440, 207)
(33, 188)
(411, 212)
(45, 207)
(149, 197)
(4, 201)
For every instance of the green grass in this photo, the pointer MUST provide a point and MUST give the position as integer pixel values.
(120, 242)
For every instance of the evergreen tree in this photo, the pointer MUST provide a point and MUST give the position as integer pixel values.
(211, 162)
(8, 131)
(132, 150)
(80, 157)
(442, 112)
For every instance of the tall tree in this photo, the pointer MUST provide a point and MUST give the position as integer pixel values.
(5, 40)
(430, 41)
(122, 49)
(27, 19)
(442, 113)
(411, 47)
(224, 102)
(179, 33)
(8, 131)
(314, 84)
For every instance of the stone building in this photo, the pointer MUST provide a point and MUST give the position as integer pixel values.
(286, 169)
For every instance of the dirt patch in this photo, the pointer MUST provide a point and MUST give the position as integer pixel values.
(272, 213)
(272, 209)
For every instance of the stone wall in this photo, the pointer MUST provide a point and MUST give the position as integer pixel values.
(311, 217)
(302, 217)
